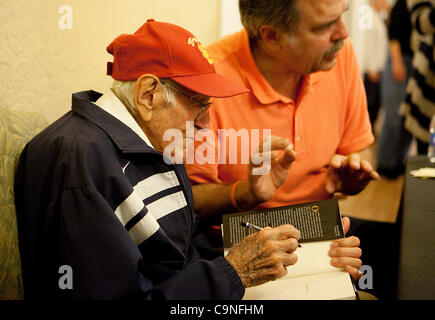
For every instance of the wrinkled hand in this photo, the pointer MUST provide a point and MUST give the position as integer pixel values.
(263, 256)
(346, 253)
(267, 176)
(348, 174)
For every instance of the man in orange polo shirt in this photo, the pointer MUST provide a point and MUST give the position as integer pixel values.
(306, 87)
(323, 114)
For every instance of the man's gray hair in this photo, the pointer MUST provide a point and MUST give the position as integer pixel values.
(281, 14)
(124, 90)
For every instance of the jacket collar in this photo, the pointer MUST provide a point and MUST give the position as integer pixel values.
(113, 118)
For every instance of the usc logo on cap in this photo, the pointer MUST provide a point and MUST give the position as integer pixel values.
(201, 48)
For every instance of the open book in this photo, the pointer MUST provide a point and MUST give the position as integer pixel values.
(312, 277)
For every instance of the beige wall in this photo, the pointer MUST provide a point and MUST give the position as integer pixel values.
(42, 64)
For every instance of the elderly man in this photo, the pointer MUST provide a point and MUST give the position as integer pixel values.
(103, 214)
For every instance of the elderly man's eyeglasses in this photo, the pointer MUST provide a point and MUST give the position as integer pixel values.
(205, 106)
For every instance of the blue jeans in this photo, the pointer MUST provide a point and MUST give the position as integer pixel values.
(394, 140)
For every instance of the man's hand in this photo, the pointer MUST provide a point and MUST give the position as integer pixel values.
(348, 174)
(374, 77)
(264, 255)
(346, 253)
(264, 185)
(398, 71)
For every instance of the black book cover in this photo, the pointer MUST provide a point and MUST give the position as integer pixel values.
(318, 220)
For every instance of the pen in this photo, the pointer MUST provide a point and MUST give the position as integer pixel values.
(253, 226)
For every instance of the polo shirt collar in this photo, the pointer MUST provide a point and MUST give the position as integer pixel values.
(262, 90)
(112, 117)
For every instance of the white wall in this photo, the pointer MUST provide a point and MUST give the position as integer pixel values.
(42, 64)
(230, 17)
(352, 19)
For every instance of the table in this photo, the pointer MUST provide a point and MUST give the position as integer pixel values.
(416, 277)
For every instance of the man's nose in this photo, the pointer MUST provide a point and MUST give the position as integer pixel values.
(341, 32)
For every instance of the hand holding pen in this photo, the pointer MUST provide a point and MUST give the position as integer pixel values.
(264, 255)
(253, 226)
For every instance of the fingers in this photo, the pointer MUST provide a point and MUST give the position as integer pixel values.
(345, 253)
(352, 161)
(284, 232)
(330, 184)
(265, 159)
(287, 158)
(276, 259)
(354, 272)
(346, 242)
(349, 174)
(272, 246)
(290, 259)
(273, 143)
(353, 252)
(346, 247)
(345, 221)
(346, 261)
(337, 161)
(367, 167)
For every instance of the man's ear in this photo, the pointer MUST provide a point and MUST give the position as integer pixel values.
(270, 36)
(145, 89)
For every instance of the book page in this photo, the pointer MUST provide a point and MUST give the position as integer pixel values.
(312, 258)
(328, 286)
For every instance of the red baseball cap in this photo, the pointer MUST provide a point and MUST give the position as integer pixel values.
(168, 51)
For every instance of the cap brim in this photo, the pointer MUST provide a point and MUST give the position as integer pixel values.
(211, 85)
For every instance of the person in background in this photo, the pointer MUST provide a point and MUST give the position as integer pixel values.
(394, 140)
(375, 56)
(103, 214)
(419, 105)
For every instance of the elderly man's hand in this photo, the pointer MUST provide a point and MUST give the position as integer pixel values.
(264, 255)
(346, 253)
(348, 174)
(267, 176)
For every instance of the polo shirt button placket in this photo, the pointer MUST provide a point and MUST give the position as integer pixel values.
(297, 142)
(299, 147)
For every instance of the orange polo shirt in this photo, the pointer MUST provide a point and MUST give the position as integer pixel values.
(329, 117)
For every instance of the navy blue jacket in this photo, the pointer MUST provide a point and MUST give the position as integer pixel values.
(92, 195)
